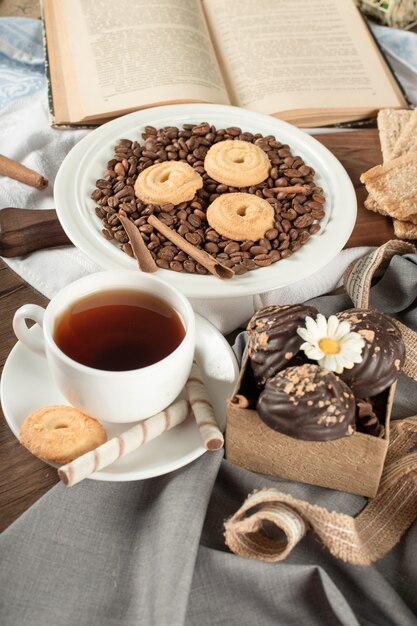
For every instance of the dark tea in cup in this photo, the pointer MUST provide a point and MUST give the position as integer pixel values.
(119, 330)
(119, 343)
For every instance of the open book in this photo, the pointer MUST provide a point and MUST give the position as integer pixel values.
(309, 62)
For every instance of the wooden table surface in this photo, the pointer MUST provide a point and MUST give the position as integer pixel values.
(24, 478)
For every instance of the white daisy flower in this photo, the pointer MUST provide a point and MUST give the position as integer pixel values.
(331, 343)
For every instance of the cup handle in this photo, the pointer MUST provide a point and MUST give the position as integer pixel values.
(22, 332)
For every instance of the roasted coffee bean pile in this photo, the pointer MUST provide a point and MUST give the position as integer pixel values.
(296, 215)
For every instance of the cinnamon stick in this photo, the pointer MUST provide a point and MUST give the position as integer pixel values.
(201, 256)
(203, 411)
(290, 189)
(117, 447)
(17, 171)
(142, 255)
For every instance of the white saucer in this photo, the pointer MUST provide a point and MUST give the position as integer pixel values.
(27, 385)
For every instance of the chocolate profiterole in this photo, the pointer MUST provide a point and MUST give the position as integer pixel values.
(273, 339)
(308, 402)
(382, 356)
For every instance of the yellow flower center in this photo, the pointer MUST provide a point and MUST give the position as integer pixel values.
(329, 346)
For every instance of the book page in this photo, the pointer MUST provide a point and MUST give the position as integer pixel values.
(130, 54)
(299, 54)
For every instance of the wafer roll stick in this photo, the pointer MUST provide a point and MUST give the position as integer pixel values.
(117, 447)
(203, 411)
(17, 171)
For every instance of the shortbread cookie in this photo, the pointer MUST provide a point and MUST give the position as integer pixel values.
(405, 230)
(407, 141)
(393, 185)
(60, 434)
(170, 182)
(237, 163)
(391, 123)
(241, 216)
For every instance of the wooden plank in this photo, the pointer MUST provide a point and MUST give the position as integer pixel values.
(358, 151)
(23, 477)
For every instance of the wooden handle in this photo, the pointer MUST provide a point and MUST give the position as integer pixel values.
(26, 230)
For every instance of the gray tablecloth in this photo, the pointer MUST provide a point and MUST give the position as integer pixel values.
(152, 552)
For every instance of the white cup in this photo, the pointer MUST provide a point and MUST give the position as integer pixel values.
(119, 396)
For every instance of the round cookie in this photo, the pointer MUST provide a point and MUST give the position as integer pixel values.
(241, 216)
(382, 356)
(60, 434)
(308, 402)
(237, 163)
(273, 338)
(170, 182)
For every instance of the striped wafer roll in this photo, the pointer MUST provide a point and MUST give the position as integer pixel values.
(203, 411)
(130, 440)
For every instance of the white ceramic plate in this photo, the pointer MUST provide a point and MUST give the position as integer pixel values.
(26, 371)
(87, 161)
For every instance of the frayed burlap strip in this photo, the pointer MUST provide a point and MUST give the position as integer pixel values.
(357, 280)
(270, 523)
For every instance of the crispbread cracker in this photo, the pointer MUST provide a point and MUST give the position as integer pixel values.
(405, 230)
(407, 141)
(411, 218)
(394, 185)
(391, 123)
(372, 205)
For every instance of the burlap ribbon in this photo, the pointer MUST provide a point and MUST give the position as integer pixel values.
(357, 280)
(270, 523)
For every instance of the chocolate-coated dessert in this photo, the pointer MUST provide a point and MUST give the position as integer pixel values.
(308, 402)
(382, 356)
(273, 339)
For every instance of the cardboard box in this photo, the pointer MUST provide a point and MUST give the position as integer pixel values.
(353, 464)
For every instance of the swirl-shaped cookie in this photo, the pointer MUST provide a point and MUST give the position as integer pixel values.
(60, 434)
(170, 182)
(237, 163)
(241, 216)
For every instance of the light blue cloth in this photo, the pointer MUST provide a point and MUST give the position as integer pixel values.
(400, 48)
(22, 59)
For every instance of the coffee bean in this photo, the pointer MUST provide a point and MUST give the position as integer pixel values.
(232, 247)
(256, 250)
(193, 238)
(262, 260)
(177, 266)
(303, 221)
(194, 220)
(285, 254)
(271, 234)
